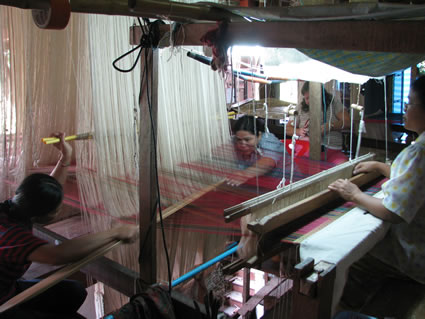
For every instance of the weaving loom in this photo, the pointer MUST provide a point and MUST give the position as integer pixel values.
(108, 189)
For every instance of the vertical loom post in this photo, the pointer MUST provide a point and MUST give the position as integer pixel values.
(147, 168)
(312, 290)
(315, 136)
(246, 284)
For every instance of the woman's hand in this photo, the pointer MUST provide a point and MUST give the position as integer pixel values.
(365, 167)
(302, 131)
(60, 170)
(237, 178)
(345, 189)
(127, 233)
(64, 147)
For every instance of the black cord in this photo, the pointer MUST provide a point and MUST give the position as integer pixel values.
(147, 40)
(124, 55)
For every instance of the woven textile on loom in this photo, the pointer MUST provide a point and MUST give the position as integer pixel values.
(205, 214)
(322, 221)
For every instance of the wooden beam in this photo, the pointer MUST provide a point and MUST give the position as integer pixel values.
(377, 36)
(307, 205)
(148, 183)
(27, 4)
(272, 285)
(155, 9)
(188, 200)
(246, 285)
(180, 11)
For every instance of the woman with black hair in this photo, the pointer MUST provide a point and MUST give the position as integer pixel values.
(401, 254)
(257, 151)
(337, 118)
(37, 199)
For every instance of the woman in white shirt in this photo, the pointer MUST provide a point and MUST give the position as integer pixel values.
(401, 254)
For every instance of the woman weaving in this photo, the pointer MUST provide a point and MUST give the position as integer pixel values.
(337, 118)
(38, 199)
(257, 151)
(401, 254)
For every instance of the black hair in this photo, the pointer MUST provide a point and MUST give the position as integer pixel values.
(305, 88)
(5, 206)
(419, 87)
(37, 196)
(250, 124)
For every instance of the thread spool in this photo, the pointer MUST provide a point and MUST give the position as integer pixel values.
(290, 110)
(55, 17)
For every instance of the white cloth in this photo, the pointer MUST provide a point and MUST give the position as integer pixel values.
(343, 242)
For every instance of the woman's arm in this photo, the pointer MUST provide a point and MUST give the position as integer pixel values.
(374, 206)
(300, 131)
(260, 167)
(75, 249)
(350, 192)
(61, 169)
(341, 122)
(290, 129)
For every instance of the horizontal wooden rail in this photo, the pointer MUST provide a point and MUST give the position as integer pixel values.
(309, 204)
(188, 200)
(374, 36)
(256, 204)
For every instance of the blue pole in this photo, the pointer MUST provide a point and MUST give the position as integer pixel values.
(202, 267)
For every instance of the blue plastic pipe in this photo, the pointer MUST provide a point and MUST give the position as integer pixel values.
(197, 270)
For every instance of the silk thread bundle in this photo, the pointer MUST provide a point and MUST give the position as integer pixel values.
(192, 124)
